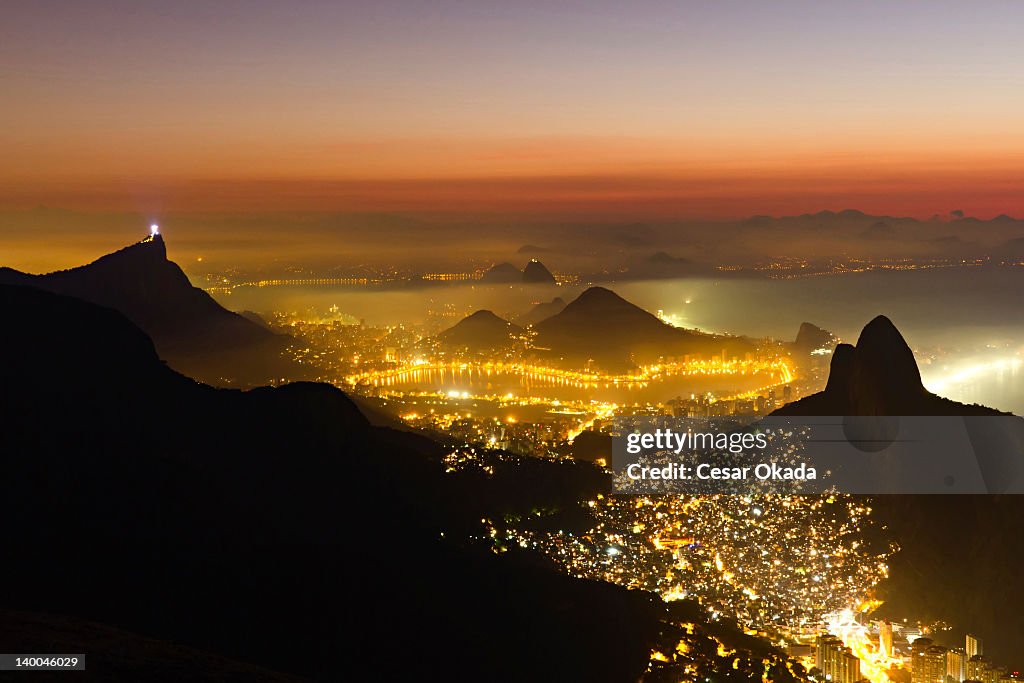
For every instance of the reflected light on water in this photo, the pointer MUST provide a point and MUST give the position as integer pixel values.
(966, 381)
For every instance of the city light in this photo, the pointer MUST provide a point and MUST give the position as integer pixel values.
(786, 568)
(874, 664)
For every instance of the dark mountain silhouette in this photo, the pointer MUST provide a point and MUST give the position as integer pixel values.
(591, 446)
(852, 219)
(602, 326)
(216, 534)
(878, 376)
(502, 273)
(276, 526)
(537, 272)
(481, 331)
(192, 332)
(541, 311)
(124, 656)
(859, 233)
(810, 337)
(505, 273)
(663, 258)
(662, 265)
(845, 214)
(254, 317)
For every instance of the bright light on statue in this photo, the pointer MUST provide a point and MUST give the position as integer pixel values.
(154, 230)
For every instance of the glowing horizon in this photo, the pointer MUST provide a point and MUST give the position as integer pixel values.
(689, 109)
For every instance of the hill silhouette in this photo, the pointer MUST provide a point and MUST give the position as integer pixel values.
(662, 265)
(600, 325)
(879, 376)
(218, 534)
(192, 332)
(810, 337)
(540, 311)
(536, 272)
(124, 656)
(481, 331)
(590, 446)
(276, 526)
(502, 273)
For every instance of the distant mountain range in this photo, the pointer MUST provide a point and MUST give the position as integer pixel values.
(600, 325)
(663, 266)
(192, 332)
(954, 217)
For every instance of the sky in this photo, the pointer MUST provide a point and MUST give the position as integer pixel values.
(703, 109)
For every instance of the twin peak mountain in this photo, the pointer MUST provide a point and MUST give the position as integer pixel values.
(535, 272)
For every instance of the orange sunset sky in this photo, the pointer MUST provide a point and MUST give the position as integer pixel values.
(682, 109)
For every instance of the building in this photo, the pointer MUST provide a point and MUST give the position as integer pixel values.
(956, 664)
(974, 646)
(826, 655)
(979, 669)
(849, 668)
(927, 662)
(836, 662)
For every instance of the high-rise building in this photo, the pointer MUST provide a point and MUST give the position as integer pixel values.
(849, 668)
(973, 646)
(836, 662)
(956, 665)
(885, 638)
(826, 655)
(927, 662)
(976, 668)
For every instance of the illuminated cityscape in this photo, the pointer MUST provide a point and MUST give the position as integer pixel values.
(800, 572)
(665, 341)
